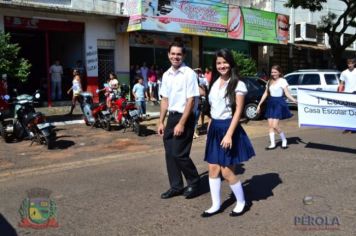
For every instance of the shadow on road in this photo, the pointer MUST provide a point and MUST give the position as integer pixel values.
(146, 131)
(63, 144)
(330, 148)
(6, 228)
(259, 187)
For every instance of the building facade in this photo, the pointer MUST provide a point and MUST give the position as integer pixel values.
(116, 35)
(307, 48)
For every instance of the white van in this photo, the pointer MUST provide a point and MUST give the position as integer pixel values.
(327, 80)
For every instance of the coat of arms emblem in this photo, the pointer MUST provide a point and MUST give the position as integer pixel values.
(38, 210)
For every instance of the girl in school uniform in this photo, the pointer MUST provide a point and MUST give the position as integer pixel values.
(227, 143)
(277, 108)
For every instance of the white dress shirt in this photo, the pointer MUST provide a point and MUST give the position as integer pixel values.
(277, 89)
(220, 106)
(178, 86)
(349, 77)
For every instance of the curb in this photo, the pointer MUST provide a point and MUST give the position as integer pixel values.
(150, 115)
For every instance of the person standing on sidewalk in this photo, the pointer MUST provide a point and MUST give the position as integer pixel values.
(277, 108)
(76, 88)
(140, 94)
(179, 87)
(56, 72)
(227, 143)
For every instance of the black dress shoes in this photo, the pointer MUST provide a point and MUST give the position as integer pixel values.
(171, 193)
(191, 192)
(284, 147)
(246, 208)
(270, 148)
(207, 214)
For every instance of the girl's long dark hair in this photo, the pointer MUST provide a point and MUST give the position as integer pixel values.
(234, 76)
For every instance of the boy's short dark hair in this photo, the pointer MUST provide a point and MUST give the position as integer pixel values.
(137, 78)
(178, 44)
(351, 60)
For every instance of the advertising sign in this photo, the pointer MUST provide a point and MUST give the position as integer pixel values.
(208, 18)
(326, 109)
(133, 8)
(196, 17)
(256, 25)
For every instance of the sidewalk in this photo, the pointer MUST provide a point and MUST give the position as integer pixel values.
(57, 115)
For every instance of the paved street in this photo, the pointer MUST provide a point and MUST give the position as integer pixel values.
(109, 184)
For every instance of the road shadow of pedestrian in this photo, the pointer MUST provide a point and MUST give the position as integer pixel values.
(259, 187)
(6, 228)
(328, 147)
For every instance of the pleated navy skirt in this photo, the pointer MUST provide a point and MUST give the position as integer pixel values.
(277, 108)
(240, 151)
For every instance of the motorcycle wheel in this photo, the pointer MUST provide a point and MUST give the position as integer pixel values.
(137, 128)
(106, 125)
(50, 142)
(4, 134)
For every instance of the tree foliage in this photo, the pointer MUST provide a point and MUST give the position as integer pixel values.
(331, 24)
(10, 63)
(246, 65)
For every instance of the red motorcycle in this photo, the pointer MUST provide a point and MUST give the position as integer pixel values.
(122, 112)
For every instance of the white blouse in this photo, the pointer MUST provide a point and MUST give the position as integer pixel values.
(276, 89)
(220, 106)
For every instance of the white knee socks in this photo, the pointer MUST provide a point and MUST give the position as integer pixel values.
(240, 198)
(273, 142)
(215, 185)
(284, 140)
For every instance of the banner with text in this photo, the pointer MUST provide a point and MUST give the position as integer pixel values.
(326, 109)
(196, 17)
(208, 18)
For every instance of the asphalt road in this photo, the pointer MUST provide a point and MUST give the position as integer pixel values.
(117, 192)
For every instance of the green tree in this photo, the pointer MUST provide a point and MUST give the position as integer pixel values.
(10, 63)
(246, 65)
(333, 25)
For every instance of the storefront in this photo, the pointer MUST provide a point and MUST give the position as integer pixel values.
(210, 45)
(211, 26)
(42, 42)
(151, 48)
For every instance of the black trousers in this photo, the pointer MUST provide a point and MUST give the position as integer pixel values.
(178, 153)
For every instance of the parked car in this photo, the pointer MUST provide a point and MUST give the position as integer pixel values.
(256, 88)
(326, 80)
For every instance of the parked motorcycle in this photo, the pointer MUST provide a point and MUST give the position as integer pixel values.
(5, 113)
(122, 112)
(25, 123)
(94, 113)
